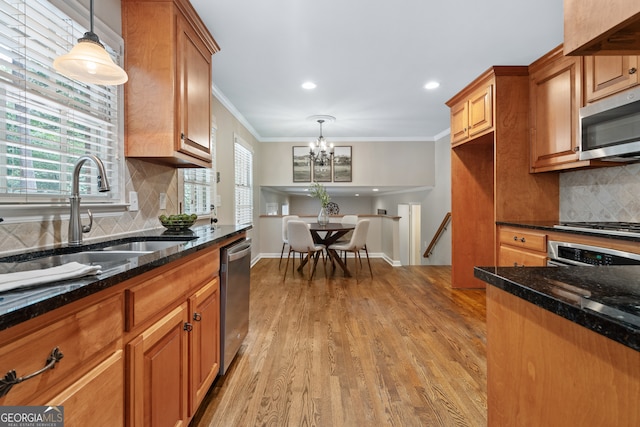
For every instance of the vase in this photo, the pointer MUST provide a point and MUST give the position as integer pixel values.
(323, 216)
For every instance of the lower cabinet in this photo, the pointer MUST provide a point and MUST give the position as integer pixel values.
(175, 357)
(158, 372)
(204, 345)
(82, 407)
(521, 248)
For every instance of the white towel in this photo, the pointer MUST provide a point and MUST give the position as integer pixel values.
(70, 270)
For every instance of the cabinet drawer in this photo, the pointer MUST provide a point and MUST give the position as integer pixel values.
(83, 338)
(523, 239)
(161, 291)
(514, 257)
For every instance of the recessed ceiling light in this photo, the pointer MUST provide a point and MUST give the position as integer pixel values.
(431, 85)
(357, 194)
(375, 189)
(308, 85)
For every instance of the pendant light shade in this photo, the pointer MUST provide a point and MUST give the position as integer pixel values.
(89, 62)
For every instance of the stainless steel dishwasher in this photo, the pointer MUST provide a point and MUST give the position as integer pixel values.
(235, 266)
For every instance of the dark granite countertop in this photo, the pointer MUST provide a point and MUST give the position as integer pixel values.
(19, 305)
(603, 299)
(550, 226)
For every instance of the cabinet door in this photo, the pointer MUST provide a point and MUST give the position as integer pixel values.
(555, 99)
(480, 111)
(205, 341)
(606, 75)
(195, 92)
(96, 399)
(513, 257)
(158, 373)
(459, 122)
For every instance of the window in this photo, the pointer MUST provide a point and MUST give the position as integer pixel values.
(244, 181)
(46, 120)
(197, 191)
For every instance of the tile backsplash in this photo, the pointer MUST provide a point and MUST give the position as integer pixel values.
(147, 179)
(602, 194)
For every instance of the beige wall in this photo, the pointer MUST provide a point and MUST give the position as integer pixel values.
(395, 163)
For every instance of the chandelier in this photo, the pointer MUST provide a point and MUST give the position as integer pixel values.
(320, 152)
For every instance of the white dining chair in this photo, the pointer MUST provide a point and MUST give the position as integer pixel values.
(285, 239)
(301, 241)
(357, 243)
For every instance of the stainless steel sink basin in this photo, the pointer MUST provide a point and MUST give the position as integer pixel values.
(144, 246)
(93, 257)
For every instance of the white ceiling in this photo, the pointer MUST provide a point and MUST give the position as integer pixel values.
(369, 58)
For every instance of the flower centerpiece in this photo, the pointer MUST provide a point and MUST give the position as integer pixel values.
(318, 191)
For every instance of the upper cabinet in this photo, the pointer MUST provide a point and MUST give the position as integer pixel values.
(596, 27)
(607, 75)
(556, 97)
(168, 53)
(472, 113)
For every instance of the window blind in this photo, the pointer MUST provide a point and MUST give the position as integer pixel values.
(197, 191)
(47, 121)
(243, 183)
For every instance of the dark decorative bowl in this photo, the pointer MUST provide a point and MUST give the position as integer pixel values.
(177, 224)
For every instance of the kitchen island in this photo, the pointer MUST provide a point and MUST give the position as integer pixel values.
(559, 351)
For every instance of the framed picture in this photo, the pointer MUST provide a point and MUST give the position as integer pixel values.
(342, 164)
(301, 164)
(322, 173)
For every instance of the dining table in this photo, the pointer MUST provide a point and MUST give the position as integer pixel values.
(328, 234)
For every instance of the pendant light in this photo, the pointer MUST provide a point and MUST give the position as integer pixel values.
(321, 152)
(89, 62)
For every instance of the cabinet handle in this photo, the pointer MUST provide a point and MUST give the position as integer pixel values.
(197, 317)
(187, 327)
(11, 379)
(523, 240)
(632, 70)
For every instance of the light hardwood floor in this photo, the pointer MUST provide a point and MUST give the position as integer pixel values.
(402, 349)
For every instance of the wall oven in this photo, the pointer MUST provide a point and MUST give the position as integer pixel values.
(564, 254)
(610, 128)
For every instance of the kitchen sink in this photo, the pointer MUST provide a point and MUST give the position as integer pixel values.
(99, 257)
(144, 246)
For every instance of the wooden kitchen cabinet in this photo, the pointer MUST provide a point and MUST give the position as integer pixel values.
(473, 116)
(82, 407)
(521, 248)
(174, 353)
(594, 27)
(158, 368)
(490, 179)
(86, 335)
(168, 95)
(205, 341)
(608, 75)
(556, 97)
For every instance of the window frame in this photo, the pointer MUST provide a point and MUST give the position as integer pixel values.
(55, 207)
(238, 141)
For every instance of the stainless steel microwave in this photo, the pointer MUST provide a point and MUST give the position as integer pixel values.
(610, 128)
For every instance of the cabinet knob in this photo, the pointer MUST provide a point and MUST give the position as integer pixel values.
(197, 317)
(515, 238)
(523, 240)
(187, 327)
(632, 70)
(576, 148)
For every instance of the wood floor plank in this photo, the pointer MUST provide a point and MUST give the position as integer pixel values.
(401, 349)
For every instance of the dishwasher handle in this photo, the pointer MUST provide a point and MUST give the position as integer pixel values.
(238, 251)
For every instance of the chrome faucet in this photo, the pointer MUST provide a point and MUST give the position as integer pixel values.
(75, 223)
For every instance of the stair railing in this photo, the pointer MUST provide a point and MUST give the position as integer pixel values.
(436, 237)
